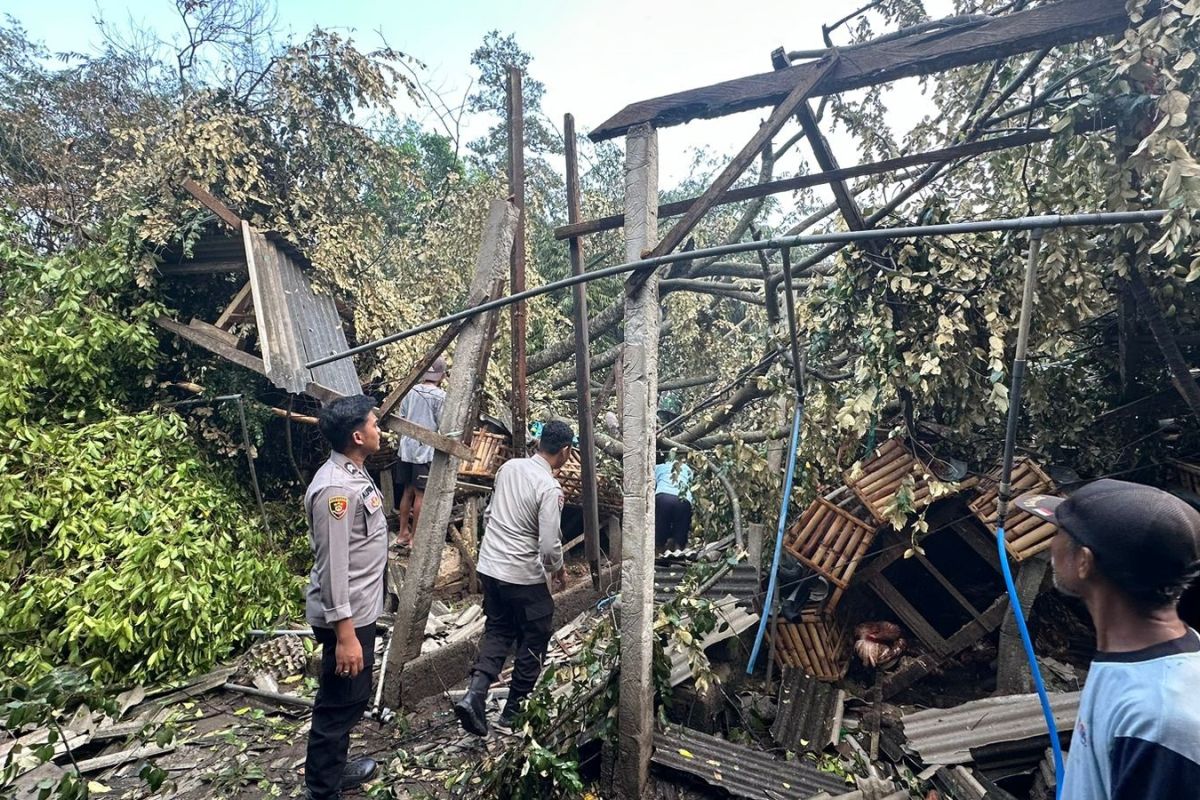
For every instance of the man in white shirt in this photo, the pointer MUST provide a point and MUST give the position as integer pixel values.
(521, 546)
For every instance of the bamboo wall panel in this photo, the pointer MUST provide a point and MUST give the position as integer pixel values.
(1025, 535)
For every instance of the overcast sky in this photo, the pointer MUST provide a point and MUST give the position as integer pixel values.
(594, 57)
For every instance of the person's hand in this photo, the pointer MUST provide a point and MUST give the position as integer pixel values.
(348, 656)
(558, 580)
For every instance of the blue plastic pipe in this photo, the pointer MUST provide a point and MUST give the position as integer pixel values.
(783, 512)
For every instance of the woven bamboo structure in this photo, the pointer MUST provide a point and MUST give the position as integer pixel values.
(830, 541)
(817, 644)
(882, 476)
(1025, 535)
(491, 450)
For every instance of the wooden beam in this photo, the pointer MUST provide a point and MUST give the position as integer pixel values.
(908, 614)
(237, 306)
(430, 536)
(438, 441)
(583, 369)
(871, 64)
(213, 345)
(193, 268)
(422, 366)
(825, 160)
(213, 331)
(803, 87)
(819, 178)
(519, 392)
(209, 201)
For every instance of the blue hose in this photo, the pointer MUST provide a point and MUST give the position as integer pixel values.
(783, 512)
(1015, 602)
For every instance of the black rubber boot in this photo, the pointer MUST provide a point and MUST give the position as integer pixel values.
(358, 772)
(471, 710)
(512, 707)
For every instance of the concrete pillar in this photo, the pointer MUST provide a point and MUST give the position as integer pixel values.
(1013, 675)
(639, 383)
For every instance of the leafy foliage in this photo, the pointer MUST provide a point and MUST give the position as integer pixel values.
(124, 552)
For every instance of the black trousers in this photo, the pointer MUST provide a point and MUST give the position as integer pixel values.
(672, 520)
(520, 616)
(340, 704)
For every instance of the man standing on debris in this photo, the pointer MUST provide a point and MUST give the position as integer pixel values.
(1129, 551)
(348, 533)
(521, 546)
(422, 406)
(672, 503)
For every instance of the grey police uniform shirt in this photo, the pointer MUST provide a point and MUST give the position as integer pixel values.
(422, 406)
(522, 537)
(348, 532)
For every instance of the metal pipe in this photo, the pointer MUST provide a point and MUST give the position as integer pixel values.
(1044, 221)
(1018, 377)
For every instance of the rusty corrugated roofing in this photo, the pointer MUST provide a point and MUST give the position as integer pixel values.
(742, 771)
(947, 735)
(809, 713)
(741, 581)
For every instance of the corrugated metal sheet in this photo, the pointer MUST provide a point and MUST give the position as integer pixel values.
(947, 736)
(740, 770)
(740, 581)
(735, 620)
(295, 325)
(809, 712)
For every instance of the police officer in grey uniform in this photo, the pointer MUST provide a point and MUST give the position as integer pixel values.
(348, 533)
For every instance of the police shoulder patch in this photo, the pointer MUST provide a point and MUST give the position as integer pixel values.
(338, 504)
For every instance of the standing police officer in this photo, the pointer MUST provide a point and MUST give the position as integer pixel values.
(348, 533)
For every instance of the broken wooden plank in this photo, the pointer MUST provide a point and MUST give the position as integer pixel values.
(213, 345)
(425, 560)
(803, 87)
(243, 300)
(820, 178)
(874, 63)
(210, 202)
(438, 441)
(124, 757)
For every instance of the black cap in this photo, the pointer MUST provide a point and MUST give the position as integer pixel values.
(1144, 538)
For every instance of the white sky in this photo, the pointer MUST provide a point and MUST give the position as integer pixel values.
(593, 57)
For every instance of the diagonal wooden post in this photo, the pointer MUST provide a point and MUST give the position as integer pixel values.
(430, 536)
(639, 379)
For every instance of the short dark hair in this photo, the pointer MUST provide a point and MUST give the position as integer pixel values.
(555, 436)
(340, 419)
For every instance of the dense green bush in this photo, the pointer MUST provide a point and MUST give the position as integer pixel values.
(122, 549)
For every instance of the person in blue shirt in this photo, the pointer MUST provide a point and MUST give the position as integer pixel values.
(1129, 551)
(672, 503)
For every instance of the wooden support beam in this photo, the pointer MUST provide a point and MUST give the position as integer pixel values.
(213, 345)
(871, 64)
(803, 87)
(909, 615)
(1012, 668)
(209, 201)
(435, 439)
(820, 178)
(516, 186)
(243, 300)
(825, 160)
(430, 536)
(213, 331)
(583, 369)
(423, 364)
(193, 268)
(639, 382)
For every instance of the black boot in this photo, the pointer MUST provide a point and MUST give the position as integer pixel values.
(512, 707)
(358, 772)
(471, 710)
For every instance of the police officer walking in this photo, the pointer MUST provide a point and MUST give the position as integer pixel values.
(521, 546)
(348, 533)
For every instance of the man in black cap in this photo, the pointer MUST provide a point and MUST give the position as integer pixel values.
(1129, 551)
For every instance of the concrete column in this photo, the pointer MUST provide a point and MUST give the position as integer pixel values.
(1013, 675)
(639, 382)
